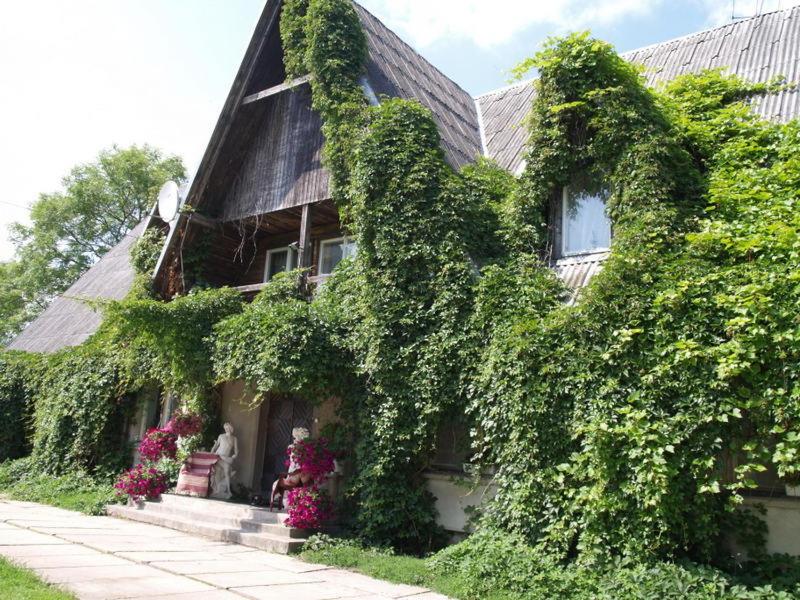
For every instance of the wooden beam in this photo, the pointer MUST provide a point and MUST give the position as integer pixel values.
(203, 221)
(250, 289)
(276, 90)
(304, 254)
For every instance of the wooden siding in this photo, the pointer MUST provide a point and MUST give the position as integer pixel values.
(281, 165)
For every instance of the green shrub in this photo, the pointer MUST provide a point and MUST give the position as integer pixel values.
(494, 560)
(73, 489)
(16, 404)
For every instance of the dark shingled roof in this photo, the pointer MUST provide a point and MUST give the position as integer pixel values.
(68, 321)
(395, 69)
(756, 49)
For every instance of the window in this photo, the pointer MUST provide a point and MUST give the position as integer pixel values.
(585, 226)
(332, 252)
(280, 260)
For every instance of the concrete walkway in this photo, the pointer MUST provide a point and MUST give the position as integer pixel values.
(105, 558)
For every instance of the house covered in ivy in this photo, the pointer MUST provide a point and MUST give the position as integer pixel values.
(261, 204)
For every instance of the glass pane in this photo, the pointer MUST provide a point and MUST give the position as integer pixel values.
(332, 254)
(277, 263)
(586, 227)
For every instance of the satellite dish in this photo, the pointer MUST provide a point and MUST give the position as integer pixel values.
(168, 201)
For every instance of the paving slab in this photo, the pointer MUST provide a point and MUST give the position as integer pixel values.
(169, 556)
(197, 567)
(136, 587)
(76, 574)
(303, 591)
(70, 559)
(368, 584)
(212, 595)
(262, 577)
(45, 550)
(101, 558)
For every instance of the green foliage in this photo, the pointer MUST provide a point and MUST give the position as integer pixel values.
(21, 584)
(413, 281)
(383, 563)
(16, 404)
(71, 229)
(81, 408)
(169, 342)
(73, 489)
(608, 419)
(270, 345)
(492, 561)
(145, 252)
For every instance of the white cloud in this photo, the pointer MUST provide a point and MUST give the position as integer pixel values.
(489, 24)
(721, 11)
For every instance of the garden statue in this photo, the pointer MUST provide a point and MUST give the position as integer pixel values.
(296, 477)
(227, 448)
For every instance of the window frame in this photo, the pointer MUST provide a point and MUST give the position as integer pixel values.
(329, 241)
(290, 252)
(563, 198)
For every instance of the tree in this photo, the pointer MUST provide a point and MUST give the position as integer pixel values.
(71, 229)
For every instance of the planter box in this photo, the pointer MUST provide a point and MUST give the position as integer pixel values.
(793, 491)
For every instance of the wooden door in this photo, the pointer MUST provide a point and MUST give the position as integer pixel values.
(285, 413)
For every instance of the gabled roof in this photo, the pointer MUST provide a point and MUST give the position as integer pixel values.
(756, 49)
(68, 321)
(396, 70)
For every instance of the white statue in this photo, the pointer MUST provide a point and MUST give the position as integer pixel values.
(227, 448)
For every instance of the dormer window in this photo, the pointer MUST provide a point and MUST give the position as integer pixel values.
(332, 252)
(280, 260)
(585, 226)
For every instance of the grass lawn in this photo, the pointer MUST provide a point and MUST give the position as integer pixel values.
(21, 584)
(398, 569)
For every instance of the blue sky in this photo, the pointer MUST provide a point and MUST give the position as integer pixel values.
(82, 75)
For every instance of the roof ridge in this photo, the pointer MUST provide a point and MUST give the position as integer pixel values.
(506, 88)
(653, 45)
(710, 29)
(410, 47)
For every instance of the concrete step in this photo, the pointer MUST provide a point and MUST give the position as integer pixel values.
(231, 519)
(281, 544)
(230, 509)
(255, 534)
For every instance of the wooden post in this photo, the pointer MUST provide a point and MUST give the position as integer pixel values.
(304, 251)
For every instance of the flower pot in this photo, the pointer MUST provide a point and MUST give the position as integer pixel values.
(793, 491)
(137, 503)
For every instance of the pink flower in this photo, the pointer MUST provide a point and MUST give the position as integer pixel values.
(185, 425)
(157, 444)
(309, 507)
(140, 482)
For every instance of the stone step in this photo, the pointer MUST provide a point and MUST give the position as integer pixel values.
(226, 520)
(216, 507)
(228, 515)
(282, 544)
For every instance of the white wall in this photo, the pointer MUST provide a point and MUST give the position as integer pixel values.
(454, 495)
(783, 520)
(245, 421)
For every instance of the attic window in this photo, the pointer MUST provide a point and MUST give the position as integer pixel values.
(585, 226)
(279, 260)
